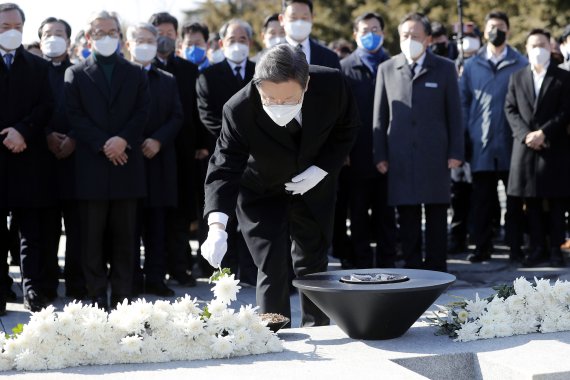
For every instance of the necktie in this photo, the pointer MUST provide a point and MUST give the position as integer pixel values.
(294, 128)
(8, 60)
(413, 69)
(238, 75)
(299, 47)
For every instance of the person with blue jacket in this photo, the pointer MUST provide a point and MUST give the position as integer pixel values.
(483, 87)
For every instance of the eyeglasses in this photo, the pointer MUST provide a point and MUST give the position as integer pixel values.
(267, 103)
(98, 34)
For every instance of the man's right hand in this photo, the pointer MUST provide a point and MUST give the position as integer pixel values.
(382, 167)
(14, 141)
(54, 140)
(120, 160)
(215, 246)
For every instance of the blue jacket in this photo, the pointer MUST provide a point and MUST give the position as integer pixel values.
(483, 92)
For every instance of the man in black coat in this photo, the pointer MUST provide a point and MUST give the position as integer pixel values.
(55, 37)
(192, 143)
(538, 110)
(216, 85)
(368, 188)
(26, 186)
(108, 102)
(278, 158)
(164, 122)
(297, 20)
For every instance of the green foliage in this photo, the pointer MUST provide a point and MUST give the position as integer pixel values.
(333, 18)
(15, 331)
(219, 273)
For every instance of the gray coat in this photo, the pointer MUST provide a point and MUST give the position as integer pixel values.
(417, 128)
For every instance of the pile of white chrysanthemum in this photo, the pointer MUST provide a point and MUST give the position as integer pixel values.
(141, 332)
(522, 308)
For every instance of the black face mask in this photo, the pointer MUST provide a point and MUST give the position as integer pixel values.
(165, 45)
(497, 37)
(439, 48)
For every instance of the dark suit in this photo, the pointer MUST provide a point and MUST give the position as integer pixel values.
(98, 110)
(367, 187)
(26, 179)
(255, 157)
(537, 175)
(216, 85)
(163, 124)
(417, 129)
(323, 56)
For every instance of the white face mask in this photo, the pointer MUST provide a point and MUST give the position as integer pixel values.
(269, 43)
(54, 46)
(471, 44)
(412, 49)
(298, 30)
(10, 39)
(538, 56)
(106, 46)
(236, 52)
(217, 56)
(282, 114)
(143, 53)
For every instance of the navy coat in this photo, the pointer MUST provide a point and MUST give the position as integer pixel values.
(26, 178)
(544, 173)
(97, 112)
(323, 56)
(164, 122)
(417, 128)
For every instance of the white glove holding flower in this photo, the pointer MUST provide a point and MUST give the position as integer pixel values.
(305, 181)
(215, 246)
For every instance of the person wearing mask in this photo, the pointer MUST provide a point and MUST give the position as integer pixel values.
(483, 85)
(418, 139)
(440, 44)
(216, 85)
(368, 187)
(108, 102)
(194, 44)
(277, 160)
(272, 34)
(297, 20)
(164, 121)
(55, 37)
(215, 53)
(565, 48)
(80, 49)
(538, 111)
(191, 143)
(26, 171)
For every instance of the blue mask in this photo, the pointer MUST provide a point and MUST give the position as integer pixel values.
(195, 54)
(85, 53)
(371, 41)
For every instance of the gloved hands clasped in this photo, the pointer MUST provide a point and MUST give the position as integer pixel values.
(305, 181)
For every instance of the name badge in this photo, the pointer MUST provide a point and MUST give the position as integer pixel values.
(431, 84)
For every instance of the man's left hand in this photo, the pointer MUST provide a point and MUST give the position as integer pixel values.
(114, 147)
(453, 163)
(305, 181)
(150, 147)
(13, 140)
(535, 140)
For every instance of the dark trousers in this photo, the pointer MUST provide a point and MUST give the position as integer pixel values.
(484, 193)
(73, 272)
(341, 242)
(555, 224)
(435, 236)
(117, 218)
(268, 222)
(152, 227)
(5, 279)
(371, 194)
(179, 253)
(460, 205)
(238, 258)
(38, 249)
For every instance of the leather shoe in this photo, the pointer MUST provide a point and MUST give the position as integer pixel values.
(479, 256)
(184, 279)
(534, 258)
(100, 302)
(33, 301)
(456, 246)
(158, 288)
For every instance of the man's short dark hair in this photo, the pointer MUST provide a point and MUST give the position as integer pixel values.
(368, 16)
(438, 29)
(280, 64)
(309, 3)
(268, 19)
(51, 20)
(33, 45)
(417, 17)
(196, 27)
(163, 18)
(499, 16)
(536, 31)
(6, 7)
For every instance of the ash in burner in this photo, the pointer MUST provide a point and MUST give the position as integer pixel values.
(373, 278)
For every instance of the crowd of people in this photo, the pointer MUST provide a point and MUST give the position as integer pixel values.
(110, 135)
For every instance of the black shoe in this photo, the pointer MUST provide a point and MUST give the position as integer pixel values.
(516, 255)
(33, 301)
(2, 304)
(50, 295)
(456, 246)
(100, 302)
(158, 288)
(556, 258)
(479, 256)
(534, 258)
(184, 279)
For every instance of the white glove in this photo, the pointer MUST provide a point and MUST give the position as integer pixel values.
(215, 246)
(305, 181)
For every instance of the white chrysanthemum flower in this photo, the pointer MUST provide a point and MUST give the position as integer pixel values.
(226, 289)
(5, 363)
(241, 338)
(216, 306)
(503, 329)
(186, 305)
(462, 316)
(46, 314)
(131, 344)
(28, 360)
(542, 286)
(247, 315)
(515, 303)
(477, 307)
(487, 331)
(523, 287)
(222, 346)
(561, 291)
(73, 308)
(274, 344)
